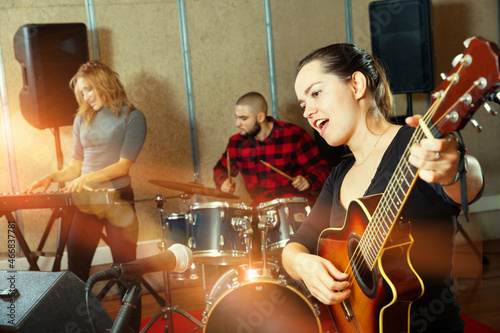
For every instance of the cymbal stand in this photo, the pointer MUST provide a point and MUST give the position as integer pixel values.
(167, 309)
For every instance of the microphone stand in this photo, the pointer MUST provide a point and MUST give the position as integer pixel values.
(167, 309)
(129, 303)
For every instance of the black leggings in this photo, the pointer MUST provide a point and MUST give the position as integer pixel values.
(121, 225)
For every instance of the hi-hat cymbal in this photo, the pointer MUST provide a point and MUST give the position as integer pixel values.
(193, 188)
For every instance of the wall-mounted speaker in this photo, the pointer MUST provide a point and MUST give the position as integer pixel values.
(401, 37)
(50, 54)
(48, 302)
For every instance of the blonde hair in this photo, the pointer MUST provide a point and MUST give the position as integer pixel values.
(106, 85)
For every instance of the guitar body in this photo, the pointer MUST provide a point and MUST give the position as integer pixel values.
(380, 299)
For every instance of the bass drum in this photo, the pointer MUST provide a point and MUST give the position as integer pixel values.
(256, 300)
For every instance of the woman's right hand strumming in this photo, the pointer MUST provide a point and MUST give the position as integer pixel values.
(321, 277)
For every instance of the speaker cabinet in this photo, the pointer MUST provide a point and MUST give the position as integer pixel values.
(48, 302)
(50, 54)
(401, 37)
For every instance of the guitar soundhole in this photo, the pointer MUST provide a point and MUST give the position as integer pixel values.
(366, 279)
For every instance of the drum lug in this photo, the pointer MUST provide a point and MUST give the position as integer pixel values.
(242, 225)
(221, 242)
(205, 314)
(287, 211)
(191, 243)
(308, 210)
(317, 311)
(290, 230)
(270, 220)
(222, 215)
(191, 219)
(282, 280)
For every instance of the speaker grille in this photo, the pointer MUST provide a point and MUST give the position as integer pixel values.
(50, 54)
(402, 40)
(48, 302)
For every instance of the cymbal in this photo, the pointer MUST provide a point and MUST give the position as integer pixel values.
(193, 188)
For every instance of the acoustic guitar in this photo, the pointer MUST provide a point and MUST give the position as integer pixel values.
(374, 243)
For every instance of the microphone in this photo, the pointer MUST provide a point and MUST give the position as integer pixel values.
(177, 258)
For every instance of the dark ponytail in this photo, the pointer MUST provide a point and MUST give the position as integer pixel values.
(342, 60)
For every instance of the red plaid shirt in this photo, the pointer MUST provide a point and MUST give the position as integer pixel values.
(288, 148)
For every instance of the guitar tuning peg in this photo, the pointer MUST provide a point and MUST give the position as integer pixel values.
(490, 110)
(443, 76)
(476, 125)
(456, 60)
(467, 41)
(495, 97)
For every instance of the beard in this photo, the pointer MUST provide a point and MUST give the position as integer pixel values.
(252, 132)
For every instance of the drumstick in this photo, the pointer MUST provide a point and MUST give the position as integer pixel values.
(277, 170)
(228, 165)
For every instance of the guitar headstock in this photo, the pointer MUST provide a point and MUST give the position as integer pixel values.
(474, 77)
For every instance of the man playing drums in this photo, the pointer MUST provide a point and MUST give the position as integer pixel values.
(281, 166)
(282, 145)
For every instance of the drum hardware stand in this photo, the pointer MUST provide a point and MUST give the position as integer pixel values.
(243, 226)
(248, 242)
(265, 223)
(167, 309)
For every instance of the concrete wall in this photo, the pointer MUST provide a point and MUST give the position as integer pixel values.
(141, 41)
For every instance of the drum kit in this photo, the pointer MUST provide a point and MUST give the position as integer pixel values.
(254, 294)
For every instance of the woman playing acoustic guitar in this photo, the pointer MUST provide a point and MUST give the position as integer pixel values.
(346, 98)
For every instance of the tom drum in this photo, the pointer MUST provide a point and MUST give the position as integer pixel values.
(216, 232)
(284, 215)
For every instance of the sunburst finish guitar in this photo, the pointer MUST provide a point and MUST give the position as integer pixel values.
(374, 243)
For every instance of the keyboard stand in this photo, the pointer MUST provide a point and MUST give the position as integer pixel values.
(64, 217)
(21, 241)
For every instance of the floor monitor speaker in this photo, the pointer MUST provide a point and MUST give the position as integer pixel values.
(47, 302)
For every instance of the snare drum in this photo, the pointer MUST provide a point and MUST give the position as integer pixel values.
(214, 232)
(285, 216)
(254, 300)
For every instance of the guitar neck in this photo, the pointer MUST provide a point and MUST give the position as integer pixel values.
(391, 204)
